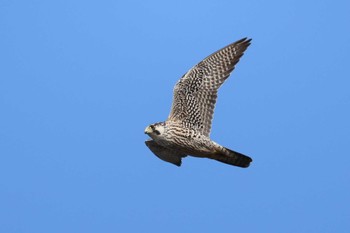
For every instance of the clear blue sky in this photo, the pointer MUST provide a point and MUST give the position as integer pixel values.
(80, 80)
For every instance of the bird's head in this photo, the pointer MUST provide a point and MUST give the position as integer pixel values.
(155, 130)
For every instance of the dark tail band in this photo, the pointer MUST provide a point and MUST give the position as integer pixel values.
(234, 158)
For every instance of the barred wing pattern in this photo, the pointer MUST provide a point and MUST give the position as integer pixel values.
(195, 93)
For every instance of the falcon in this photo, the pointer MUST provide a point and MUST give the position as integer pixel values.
(187, 129)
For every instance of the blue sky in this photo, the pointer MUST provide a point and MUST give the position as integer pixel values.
(80, 80)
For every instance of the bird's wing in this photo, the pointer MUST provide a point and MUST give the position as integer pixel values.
(165, 154)
(196, 92)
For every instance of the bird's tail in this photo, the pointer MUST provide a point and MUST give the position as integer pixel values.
(234, 158)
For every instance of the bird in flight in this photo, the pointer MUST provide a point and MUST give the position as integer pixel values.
(187, 129)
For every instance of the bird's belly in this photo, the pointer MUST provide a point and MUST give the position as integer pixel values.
(191, 144)
(194, 148)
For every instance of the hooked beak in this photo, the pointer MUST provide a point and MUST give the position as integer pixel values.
(148, 130)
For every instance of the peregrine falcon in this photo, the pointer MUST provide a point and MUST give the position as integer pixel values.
(187, 129)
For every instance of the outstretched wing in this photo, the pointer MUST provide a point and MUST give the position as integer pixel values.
(196, 92)
(165, 154)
